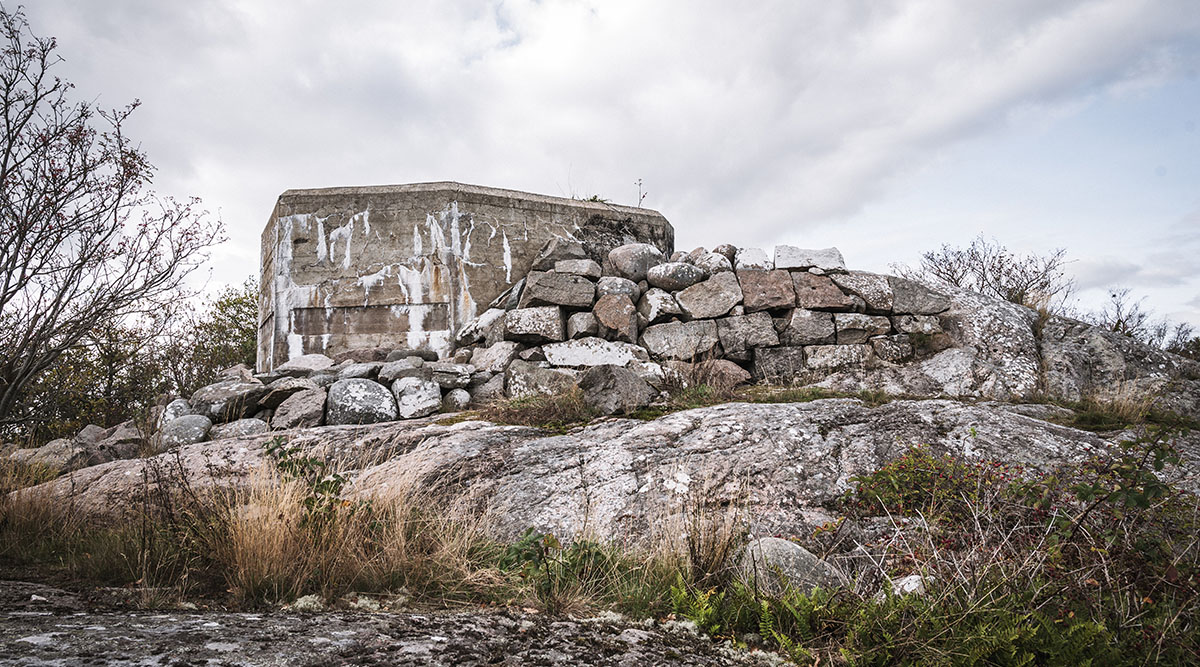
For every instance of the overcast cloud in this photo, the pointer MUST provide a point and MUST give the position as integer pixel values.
(842, 122)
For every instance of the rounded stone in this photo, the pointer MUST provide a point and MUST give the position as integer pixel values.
(674, 276)
(185, 430)
(359, 401)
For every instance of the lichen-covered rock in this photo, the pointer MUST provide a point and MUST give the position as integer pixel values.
(613, 390)
(535, 325)
(831, 357)
(588, 268)
(239, 428)
(713, 263)
(616, 318)
(917, 324)
(415, 397)
(913, 298)
(808, 327)
(658, 306)
(456, 400)
(359, 401)
(184, 430)
(779, 365)
(279, 390)
(894, 349)
(728, 251)
(228, 400)
(618, 285)
(752, 258)
(303, 409)
(450, 376)
(854, 328)
(558, 249)
(492, 390)
(712, 298)
(674, 276)
(175, 409)
(826, 259)
(1083, 360)
(872, 288)
(486, 329)
(496, 357)
(766, 290)
(304, 365)
(685, 341)
(364, 369)
(592, 352)
(741, 333)
(582, 324)
(769, 563)
(819, 293)
(414, 367)
(524, 378)
(633, 260)
(549, 288)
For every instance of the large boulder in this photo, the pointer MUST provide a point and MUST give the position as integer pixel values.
(674, 276)
(304, 365)
(712, 298)
(622, 477)
(549, 288)
(910, 297)
(239, 428)
(588, 268)
(279, 391)
(853, 328)
(582, 325)
(403, 368)
(593, 352)
(228, 400)
(633, 260)
(752, 259)
(495, 358)
(741, 333)
(819, 293)
(450, 376)
(359, 401)
(825, 259)
(616, 318)
(658, 306)
(769, 564)
(524, 378)
(184, 430)
(766, 290)
(612, 390)
(874, 289)
(556, 250)
(535, 325)
(304, 409)
(685, 341)
(173, 410)
(779, 365)
(618, 285)
(416, 397)
(808, 327)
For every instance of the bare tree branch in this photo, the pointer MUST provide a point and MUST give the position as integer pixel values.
(85, 242)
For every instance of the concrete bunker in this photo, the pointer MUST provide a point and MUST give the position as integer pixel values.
(407, 265)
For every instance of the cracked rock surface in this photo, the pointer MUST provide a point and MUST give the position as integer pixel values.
(57, 630)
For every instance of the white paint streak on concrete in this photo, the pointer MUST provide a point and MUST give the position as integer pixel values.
(372, 280)
(507, 261)
(322, 248)
(344, 233)
(455, 236)
(418, 246)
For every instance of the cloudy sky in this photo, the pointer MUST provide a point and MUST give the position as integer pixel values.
(883, 127)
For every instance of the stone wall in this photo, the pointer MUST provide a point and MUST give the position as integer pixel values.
(407, 265)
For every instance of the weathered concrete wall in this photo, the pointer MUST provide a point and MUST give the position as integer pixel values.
(407, 265)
